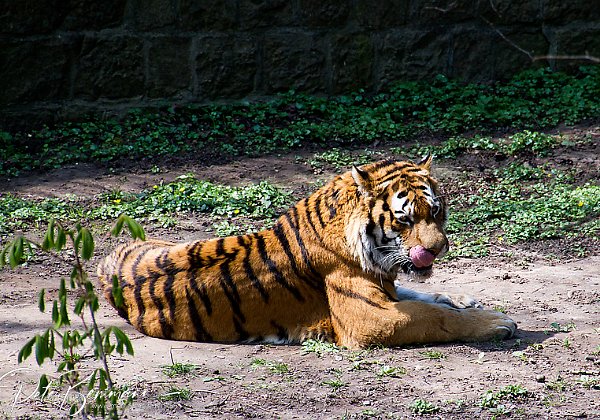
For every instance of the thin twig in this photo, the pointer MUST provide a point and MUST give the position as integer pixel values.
(504, 37)
(585, 56)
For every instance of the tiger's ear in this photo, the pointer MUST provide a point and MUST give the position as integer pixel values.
(425, 163)
(362, 179)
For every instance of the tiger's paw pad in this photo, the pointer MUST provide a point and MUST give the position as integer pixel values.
(457, 301)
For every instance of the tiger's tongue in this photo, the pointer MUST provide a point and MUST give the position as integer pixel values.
(421, 257)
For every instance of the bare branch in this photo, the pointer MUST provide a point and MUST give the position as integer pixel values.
(439, 9)
(504, 37)
(585, 57)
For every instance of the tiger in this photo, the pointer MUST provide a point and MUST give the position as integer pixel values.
(328, 270)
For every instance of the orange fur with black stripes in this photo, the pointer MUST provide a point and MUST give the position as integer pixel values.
(326, 270)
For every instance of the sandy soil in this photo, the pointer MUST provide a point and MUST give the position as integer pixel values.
(560, 369)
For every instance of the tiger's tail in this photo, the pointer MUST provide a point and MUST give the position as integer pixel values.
(111, 267)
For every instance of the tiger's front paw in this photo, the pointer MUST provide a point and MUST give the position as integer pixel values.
(490, 325)
(458, 301)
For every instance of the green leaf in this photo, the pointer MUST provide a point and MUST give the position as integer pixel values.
(123, 340)
(87, 251)
(117, 292)
(64, 314)
(51, 346)
(43, 386)
(102, 379)
(61, 239)
(25, 351)
(48, 241)
(3, 256)
(136, 230)
(92, 380)
(118, 226)
(56, 315)
(78, 308)
(41, 300)
(62, 289)
(41, 349)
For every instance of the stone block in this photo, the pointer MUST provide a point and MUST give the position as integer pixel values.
(169, 70)
(472, 46)
(86, 15)
(509, 12)
(412, 54)
(226, 65)
(31, 17)
(149, 15)
(443, 11)
(575, 41)
(266, 14)
(352, 62)
(318, 13)
(110, 68)
(294, 60)
(207, 15)
(561, 12)
(35, 70)
(381, 14)
(506, 60)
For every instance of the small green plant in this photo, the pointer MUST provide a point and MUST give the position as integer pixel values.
(491, 399)
(274, 367)
(589, 381)
(558, 385)
(66, 344)
(319, 347)
(422, 407)
(557, 327)
(336, 383)
(178, 369)
(391, 371)
(175, 393)
(433, 354)
(341, 159)
(292, 120)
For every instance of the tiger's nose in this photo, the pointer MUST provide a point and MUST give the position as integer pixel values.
(421, 257)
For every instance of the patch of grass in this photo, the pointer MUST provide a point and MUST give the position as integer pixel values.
(513, 212)
(391, 371)
(158, 203)
(558, 327)
(274, 367)
(336, 383)
(342, 159)
(422, 407)
(433, 354)
(175, 393)
(558, 385)
(291, 120)
(178, 369)
(319, 347)
(589, 381)
(491, 399)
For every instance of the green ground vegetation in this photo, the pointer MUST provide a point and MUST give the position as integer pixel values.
(531, 100)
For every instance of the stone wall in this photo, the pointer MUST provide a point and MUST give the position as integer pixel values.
(64, 57)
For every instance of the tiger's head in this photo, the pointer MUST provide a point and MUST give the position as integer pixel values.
(399, 222)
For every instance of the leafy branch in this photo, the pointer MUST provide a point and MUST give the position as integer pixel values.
(61, 342)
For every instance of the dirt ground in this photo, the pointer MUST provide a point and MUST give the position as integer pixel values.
(559, 366)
